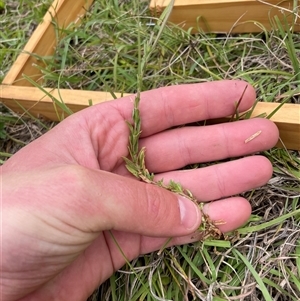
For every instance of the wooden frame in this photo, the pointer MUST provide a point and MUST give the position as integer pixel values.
(19, 95)
(43, 40)
(223, 16)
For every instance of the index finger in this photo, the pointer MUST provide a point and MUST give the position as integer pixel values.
(167, 107)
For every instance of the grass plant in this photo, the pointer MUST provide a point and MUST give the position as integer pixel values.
(120, 47)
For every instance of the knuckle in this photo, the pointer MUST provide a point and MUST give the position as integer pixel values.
(73, 178)
(155, 207)
(220, 183)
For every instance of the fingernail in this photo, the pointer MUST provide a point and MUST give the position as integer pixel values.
(189, 213)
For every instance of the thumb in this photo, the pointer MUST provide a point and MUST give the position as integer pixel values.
(107, 201)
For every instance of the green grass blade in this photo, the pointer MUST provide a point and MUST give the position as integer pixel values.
(273, 222)
(256, 276)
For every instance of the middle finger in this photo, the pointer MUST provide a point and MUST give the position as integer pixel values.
(176, 148)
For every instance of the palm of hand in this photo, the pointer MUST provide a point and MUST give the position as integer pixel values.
(70, 161)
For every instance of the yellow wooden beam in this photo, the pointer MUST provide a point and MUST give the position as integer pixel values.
(37, 103)
(44, 40)
(287, 119)
(42, 104)
(224, 16)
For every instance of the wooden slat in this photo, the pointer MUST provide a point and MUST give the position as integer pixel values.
(223, 16)
(37, 103)
(43, 41)
(287, 119)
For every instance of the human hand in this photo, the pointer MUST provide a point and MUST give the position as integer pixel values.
(67, 191)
